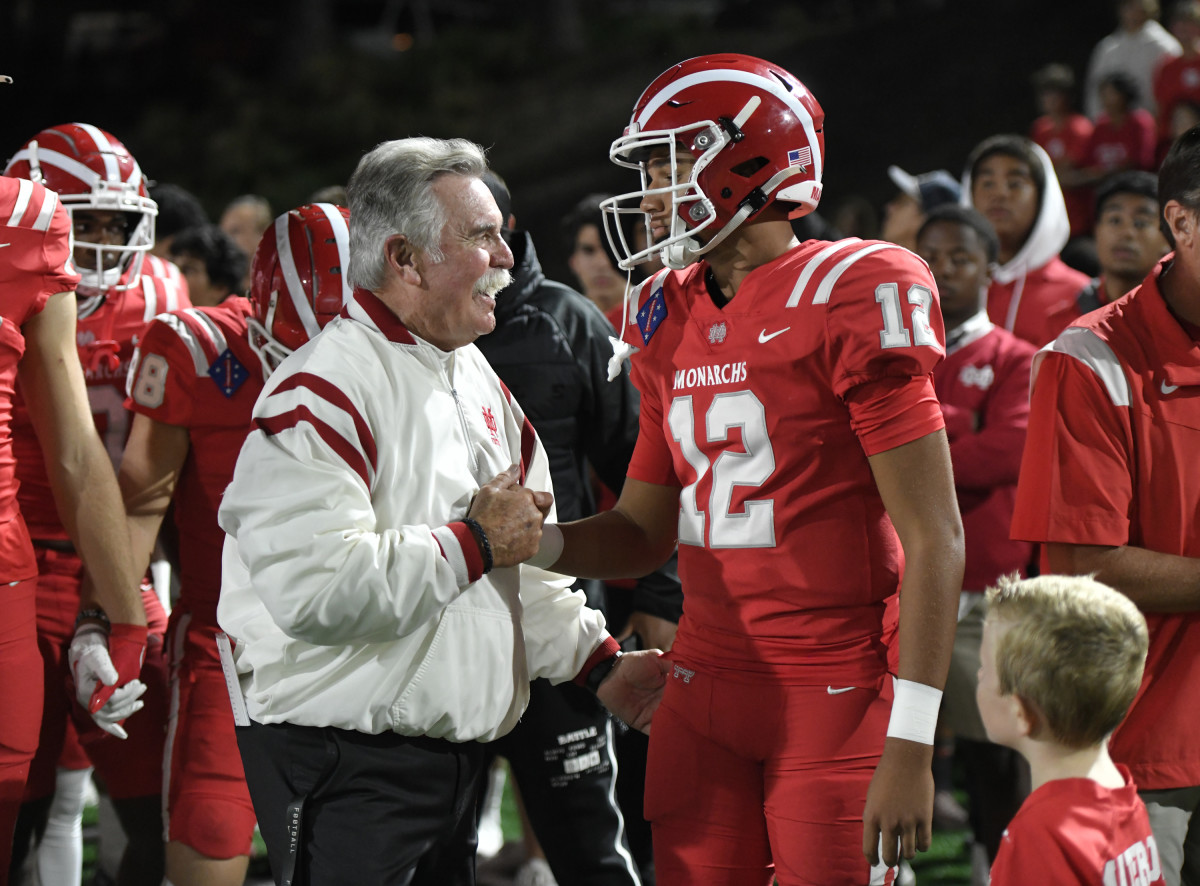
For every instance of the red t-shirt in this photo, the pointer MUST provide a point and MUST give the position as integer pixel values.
(1111, 459)
(195, 369)
(764, 412)
(1074, 831)
(1128, 146)
(35, 263)
(106, 333)
(1039, 305)
(983, 387)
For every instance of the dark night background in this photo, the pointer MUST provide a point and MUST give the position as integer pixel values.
(226, 97)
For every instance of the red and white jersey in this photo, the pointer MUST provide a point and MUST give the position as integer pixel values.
(1075, 831)
(195, 369)
(35, 263)
(764, 412)
(1110, 459)
(106, 333)
(983, 387)
(172, 283)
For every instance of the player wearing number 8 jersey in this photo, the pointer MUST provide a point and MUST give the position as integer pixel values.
(192, 391)
(789, 430)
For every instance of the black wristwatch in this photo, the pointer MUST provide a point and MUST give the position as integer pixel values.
(597, 674)
(97, 615)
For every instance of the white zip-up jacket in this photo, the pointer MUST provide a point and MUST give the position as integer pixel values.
(354, 594)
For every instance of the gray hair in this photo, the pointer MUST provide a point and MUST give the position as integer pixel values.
(391, 193)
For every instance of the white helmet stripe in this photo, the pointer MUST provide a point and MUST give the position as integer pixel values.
(112, 166)
(764, 83)
(69, 165)
(24, 193)
(342, 233)
(287, 264)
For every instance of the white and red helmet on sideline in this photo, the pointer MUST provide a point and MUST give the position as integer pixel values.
(90, 169)
(756, 133)
(298, 279)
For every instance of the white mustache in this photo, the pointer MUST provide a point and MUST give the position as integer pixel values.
(493, 281)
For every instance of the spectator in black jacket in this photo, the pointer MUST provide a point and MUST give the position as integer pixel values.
(551, 348)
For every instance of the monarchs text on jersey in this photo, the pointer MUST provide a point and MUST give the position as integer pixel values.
(764, 412)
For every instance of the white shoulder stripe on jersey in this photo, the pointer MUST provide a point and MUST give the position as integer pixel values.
(49, 204)
(826, 287)
(810, 268)
(199, 358)
(214, 331)
(287, 264)
(24, 194)
(150, 291)
(1094, 353)
(342, 234)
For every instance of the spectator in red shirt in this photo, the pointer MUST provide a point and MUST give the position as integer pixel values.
(1012, 182)
(1124, 135)
(1178, 78)
(1063, 132)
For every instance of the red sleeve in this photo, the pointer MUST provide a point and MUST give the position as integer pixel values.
(38, 248)
(651, 461)
(991, 456)
(162, 379)
(1031, 855)
(1075, 485)
(885, 335)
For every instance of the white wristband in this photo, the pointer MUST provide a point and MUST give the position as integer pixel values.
(914, 711)
(549, 548)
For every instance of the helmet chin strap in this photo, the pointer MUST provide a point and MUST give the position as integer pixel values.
(684, 252)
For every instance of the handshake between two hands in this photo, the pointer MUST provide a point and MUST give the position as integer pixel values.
(511, 515)
(104, 668)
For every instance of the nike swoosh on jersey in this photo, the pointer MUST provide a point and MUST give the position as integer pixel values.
(1169, 389)
(833, 691)
(2, 245)
(763, 337)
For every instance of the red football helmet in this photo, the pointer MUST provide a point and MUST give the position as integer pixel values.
(89, 169)
(756, 134)
(298, 279)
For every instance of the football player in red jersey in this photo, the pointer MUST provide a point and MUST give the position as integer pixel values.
(37, 348)
(104, 191)
(192, 390)
(792, 442)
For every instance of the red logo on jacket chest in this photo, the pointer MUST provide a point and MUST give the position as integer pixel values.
(490, 421)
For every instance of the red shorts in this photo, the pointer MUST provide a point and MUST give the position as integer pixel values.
(747, 781)
(20, 702)
(129, 768)
(208, 803)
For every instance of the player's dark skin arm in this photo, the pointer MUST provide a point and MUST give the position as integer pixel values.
(1155, 581)
(634, 538)
(917, 487)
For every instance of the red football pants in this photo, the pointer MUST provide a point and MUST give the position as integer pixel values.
(20, 702)
(752, 780)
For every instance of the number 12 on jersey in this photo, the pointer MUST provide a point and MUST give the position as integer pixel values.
(755, 526)
(894, 333)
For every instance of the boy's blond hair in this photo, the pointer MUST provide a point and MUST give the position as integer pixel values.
(1074, 647)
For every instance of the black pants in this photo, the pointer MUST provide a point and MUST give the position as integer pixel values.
(341, 807)
(563, 759)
